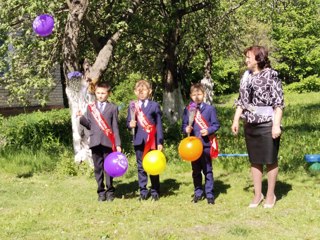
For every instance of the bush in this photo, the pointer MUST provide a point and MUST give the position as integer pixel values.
(309, 84)
(49, 131)
(34, 142)
(66, 166)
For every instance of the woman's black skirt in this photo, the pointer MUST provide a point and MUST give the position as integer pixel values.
(262, 148)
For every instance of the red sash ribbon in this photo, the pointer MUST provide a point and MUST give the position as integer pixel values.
(199, 119)
(102, 124)
(148, 128)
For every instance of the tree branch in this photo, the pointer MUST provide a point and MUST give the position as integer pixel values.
(193, 8)
(105, 54)
(77, 9)
(232, 9)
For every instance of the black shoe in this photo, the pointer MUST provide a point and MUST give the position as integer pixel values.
(110, 197)
(102, 197)
(210, 200)
(143, 197)
(155, 198)
(197, 199)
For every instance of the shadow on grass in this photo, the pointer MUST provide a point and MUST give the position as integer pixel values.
(169, 187)
(281, 190)
(25, 175)
(126, 190)
(220, 187)
(302, 128)
(131, 190)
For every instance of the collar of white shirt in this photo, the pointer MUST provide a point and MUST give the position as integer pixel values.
(145, 102)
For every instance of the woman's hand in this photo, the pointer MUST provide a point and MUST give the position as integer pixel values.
(235, 127)
(276, 131)
(118, 149)
(235, 124)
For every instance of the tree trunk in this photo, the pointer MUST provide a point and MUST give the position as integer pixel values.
(173, 104)
(207, 81)
(172, 98)
(77, 87)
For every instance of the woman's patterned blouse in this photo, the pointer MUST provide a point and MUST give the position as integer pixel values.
(261, 89)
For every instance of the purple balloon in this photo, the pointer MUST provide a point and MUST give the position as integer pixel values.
(43, 25)
(116, 164)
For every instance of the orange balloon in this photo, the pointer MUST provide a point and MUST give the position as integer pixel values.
(190, 148)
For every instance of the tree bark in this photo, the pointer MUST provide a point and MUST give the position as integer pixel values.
(172, 98)
(77, 98)
(207, 81)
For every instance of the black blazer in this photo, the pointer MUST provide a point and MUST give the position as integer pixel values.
(97, 136)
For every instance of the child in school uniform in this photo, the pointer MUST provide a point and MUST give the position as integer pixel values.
(144, 119)
(200, 120)
(101, 119)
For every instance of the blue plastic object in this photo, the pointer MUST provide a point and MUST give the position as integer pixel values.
(233, 155)
(315, 167)
(312, 158)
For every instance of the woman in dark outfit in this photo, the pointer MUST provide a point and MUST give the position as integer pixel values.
(260, 104)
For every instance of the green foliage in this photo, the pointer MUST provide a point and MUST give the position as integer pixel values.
(123, 92)
(28, 59)
(296, 39)
(38, 130)
(34, 142)
(309, 84)
(125, 135)
(226, 75)
(219, 32)
(66, 166)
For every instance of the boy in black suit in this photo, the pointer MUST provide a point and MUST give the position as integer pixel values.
(101, 119)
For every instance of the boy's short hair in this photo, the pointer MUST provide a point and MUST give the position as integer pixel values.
(143, 82)
(197, 87)
(104, 85)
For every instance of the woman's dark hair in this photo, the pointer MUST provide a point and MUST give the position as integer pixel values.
(261, 56)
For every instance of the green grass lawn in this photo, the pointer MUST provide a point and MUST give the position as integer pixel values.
(48, 207)
(35, 204)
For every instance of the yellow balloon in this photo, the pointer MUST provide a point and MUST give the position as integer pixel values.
(154, 162)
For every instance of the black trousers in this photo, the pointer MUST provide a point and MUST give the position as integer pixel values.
(98, 155)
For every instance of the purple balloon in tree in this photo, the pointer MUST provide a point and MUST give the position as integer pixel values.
(43, 25)
(116, 164)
